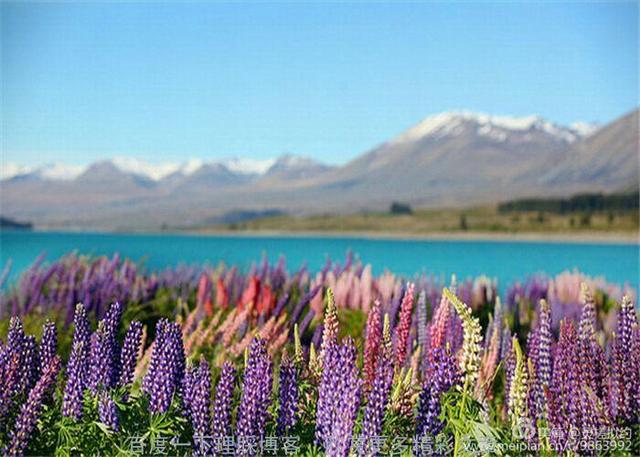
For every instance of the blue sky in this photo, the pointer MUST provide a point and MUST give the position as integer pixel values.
(163, 82)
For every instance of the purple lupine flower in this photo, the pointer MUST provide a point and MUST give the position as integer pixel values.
(17, 370)
(327, 392)
(108, 411)
(222, 403)
(105, 352)
(30, 410)
(200, 405)
(166, 368)
(376, 405)
(442, 374)
(625, 365)
(74, 389)
(256, 393)
(304, 301)
(48, 344)
(346, 402)
(188, 389)
(591, 369)
(288, 394)
(29, 371)
(129, 353)
(564, 392)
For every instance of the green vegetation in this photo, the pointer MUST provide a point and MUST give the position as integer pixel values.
(460, 220)
(584, 203)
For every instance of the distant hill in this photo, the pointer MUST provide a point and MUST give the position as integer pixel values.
(10, 224)
(447, 160)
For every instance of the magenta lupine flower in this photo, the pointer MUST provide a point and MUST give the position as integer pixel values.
(256, 393)
(442, 374)
(30, 410)
(199, 408)
(376, 405)
(372, 344)
(288, 395)
(346, 400)
(404, 326)
(108, 411)
(222, 403)
(166, 368)
(129, 353)
(48, 344)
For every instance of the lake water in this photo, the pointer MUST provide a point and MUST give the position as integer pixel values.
(505, 260)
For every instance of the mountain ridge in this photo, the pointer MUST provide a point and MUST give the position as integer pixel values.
(450, 159)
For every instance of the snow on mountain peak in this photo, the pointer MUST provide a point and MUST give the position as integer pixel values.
(56, 171)
(585, 129)
(141, 168)
(249, 166)
(495, 127)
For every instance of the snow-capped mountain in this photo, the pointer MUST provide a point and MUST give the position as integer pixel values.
(449, 159)
(130, 165)
(54, 171)
(497, 128)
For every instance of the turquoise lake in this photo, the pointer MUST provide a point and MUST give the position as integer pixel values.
(507, 261)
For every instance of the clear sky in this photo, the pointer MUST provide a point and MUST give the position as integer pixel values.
(162, 82)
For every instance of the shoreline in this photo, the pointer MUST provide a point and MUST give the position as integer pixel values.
(541, 237)
(594, 237)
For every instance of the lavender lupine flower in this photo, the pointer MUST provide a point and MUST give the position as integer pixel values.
(256, 393)
(288, 394)
(222, 403)
(376, 405)
(200, 407)
(372, 344)
(442, 374)
(539, 353)
(48, 344)
(108, 411)
(129, 353)
(30, 410)
(423, 330)
(166, 368)
(404, 326)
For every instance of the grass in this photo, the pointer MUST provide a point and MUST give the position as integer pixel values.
(429, 221)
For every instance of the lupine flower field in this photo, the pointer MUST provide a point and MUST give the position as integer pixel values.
(101, 357)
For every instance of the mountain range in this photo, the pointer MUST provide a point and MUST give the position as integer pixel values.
(449, 159)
